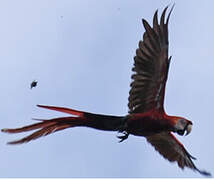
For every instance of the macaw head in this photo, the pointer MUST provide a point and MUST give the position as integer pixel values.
(183, 125)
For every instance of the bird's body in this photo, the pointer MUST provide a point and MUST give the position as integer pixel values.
(148, 124)
(146, 115)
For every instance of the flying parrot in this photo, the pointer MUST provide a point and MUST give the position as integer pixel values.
(146, 116)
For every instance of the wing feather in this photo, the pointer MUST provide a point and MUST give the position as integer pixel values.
(151, 65)
(172, 149)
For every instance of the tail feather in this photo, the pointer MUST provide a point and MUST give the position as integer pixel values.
(45, 127)
(97, 121)
(28, 128)
(42, 132)
(64, 110)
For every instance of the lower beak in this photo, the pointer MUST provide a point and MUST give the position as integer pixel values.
(188, 129)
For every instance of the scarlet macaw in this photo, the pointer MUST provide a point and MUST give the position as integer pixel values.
(146, 116)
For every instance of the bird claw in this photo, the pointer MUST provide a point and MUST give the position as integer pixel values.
(124, 137)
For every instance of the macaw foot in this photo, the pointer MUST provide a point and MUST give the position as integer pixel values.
(124, 137)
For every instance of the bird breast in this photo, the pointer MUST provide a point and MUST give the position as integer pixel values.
(146, 125)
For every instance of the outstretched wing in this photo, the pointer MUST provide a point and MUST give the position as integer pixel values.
(170, 148)
(151, 65)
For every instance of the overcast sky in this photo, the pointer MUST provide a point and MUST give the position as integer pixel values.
(81, 52)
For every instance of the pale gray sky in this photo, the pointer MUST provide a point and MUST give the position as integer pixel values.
(81, 52)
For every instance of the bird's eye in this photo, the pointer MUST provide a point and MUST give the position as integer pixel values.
(180, 132)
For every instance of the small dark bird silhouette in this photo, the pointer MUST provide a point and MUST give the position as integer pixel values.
(33, 84)
(146, 116)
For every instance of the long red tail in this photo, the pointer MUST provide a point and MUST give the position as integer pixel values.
(102, 122)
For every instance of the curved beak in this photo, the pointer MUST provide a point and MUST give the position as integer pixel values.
(188, 129)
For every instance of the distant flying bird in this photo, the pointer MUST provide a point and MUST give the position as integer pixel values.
(33, 84)
(146, 116)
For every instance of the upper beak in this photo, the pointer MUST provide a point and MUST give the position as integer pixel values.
(188, 129)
